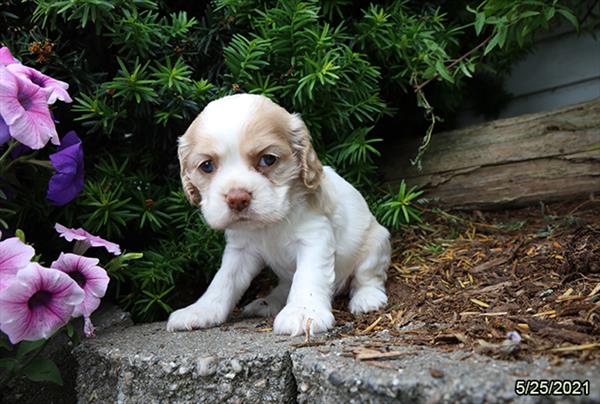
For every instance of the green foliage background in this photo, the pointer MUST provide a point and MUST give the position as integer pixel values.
(140, 70)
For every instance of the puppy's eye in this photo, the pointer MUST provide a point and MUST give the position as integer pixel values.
(267, 160)
(207, 166)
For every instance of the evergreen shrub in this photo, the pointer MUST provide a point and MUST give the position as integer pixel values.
(140, 70)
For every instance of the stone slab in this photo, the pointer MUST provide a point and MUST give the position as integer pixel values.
(243, 362)
(423, 374)
(146, 364)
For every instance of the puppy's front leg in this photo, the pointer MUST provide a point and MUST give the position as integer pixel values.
(237, 270)
(309, 301)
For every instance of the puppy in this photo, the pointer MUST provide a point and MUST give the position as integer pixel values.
(250, 167)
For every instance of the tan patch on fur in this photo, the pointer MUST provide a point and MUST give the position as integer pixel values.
(195, 147)
(267, 133)
(268, 127)
(312, 169)
(273, 125)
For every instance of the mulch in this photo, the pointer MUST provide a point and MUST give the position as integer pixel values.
(513, 284)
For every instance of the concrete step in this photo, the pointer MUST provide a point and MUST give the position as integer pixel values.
(242, 362)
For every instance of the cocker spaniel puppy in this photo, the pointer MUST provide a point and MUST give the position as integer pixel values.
(250, 167)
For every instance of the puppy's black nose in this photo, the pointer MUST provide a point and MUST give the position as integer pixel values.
(238, 199)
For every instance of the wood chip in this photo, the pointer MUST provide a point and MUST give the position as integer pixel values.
(595, 290)
(365, 354)
(489, 265)
(379, 364)
(452, 338)
(566, 335)
(491, 288)
(566, 294)
(370, 328)
(480, 303)
(307, 330)
(479, 314)
(545, 313)
(581, 347)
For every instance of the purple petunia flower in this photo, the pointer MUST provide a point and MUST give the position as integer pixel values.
(67, 182)
(4, 132)
(6, 58)
(86, 239)
(56, 89)
(91, 278)
(24, 108)
(37, 303)
(14, 255)
(514, 337)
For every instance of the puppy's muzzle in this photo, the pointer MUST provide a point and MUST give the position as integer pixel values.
(238, 199)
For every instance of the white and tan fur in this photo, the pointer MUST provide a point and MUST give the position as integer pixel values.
(305, 222)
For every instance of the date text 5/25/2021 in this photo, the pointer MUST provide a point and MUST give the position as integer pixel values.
(555, 387)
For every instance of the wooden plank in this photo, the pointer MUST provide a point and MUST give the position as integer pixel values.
(546, 156)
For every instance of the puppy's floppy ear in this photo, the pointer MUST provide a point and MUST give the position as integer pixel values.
(191, 192)
(310, 165)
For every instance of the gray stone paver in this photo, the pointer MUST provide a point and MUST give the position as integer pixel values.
(238, 364)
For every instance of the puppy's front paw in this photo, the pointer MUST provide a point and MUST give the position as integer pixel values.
(367, 299)
(262, 308)
(294, 320)
(195, 316)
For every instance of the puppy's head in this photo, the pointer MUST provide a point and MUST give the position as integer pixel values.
(243, 160)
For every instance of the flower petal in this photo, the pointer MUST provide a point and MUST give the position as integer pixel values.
(24, 108)
(46, 320)
(4, 132)
(87, 307)
(94, 279)
(71, 234)
(94, 241)
(21, 319)
(6, 58)
(68, 181)
(97, 283)
(88, 328)
(10, 108)
(69, 262)
(111, 247)
(18, 324)
(55, 89)
(14, 255)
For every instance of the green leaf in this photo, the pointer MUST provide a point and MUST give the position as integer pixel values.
(569, 16)
(549, 13)
(443, 71)
(479, 22)
(529, 13)
(464, 70)
(27, 346)
(20, 234)
(42, 370)
(8, 363)
(502, 32)
(4, 344)
(70, 330)
(492, 44)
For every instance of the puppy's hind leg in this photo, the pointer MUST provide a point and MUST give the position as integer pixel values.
(271, 304)
(368, 286)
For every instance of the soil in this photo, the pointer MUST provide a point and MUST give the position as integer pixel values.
(511, 284)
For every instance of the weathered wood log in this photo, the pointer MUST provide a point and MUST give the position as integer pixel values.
(545, 156)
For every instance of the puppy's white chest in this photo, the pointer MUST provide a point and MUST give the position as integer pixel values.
(279, 253)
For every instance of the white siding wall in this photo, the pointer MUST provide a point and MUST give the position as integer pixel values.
(564, 69)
